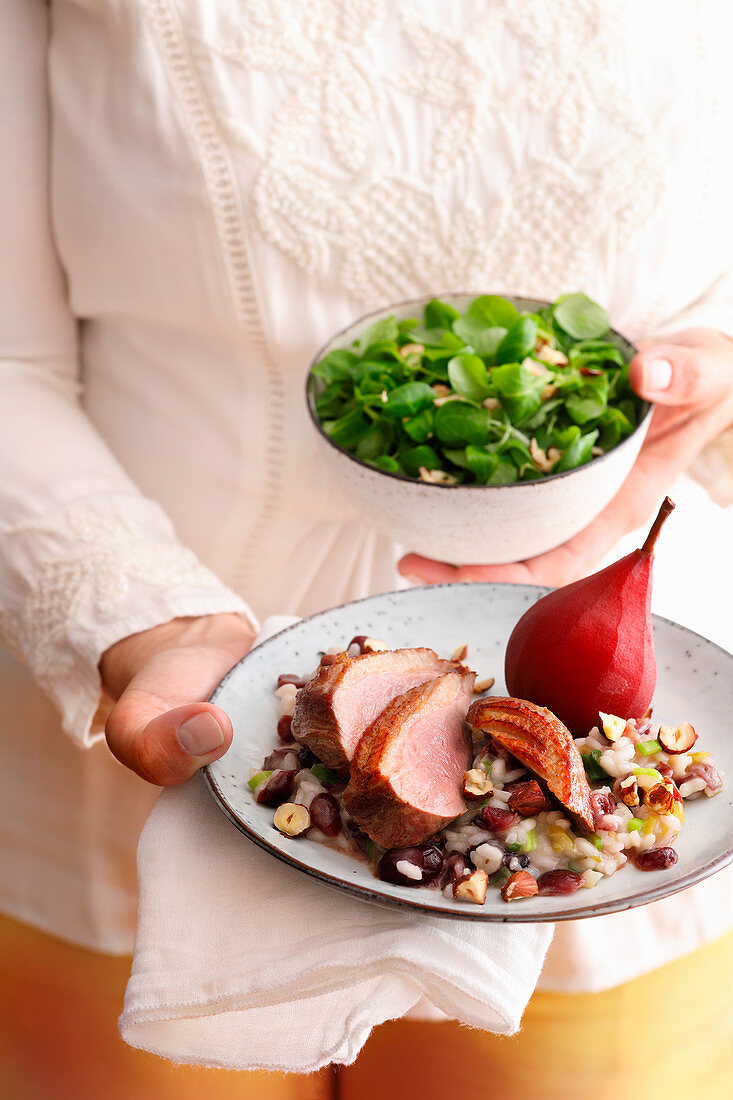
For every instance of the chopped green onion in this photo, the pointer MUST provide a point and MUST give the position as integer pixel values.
(593, 767)
(598, 842)
(325, 774)
(514, 847)
(649, 771)
(648, 748)
(499, 877)
(573, 867)
(374, 851)
(487, 765)
(530, 842)
(257, 779)
(634, 824)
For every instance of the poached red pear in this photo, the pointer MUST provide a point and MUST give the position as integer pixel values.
(589, 646)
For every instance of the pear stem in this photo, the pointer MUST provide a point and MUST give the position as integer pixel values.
(664, 511)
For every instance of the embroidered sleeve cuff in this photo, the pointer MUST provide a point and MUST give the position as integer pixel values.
(85, 579)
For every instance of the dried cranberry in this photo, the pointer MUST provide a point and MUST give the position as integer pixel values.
(603, 804)
(277, 789)
(590, 372)
(521, 860)
(284, 727)
(358, 640)
(499, 821)
(559, 882)
(328, 659)
(655, 859)
(290, 678)
(326, 814)
(455, 866)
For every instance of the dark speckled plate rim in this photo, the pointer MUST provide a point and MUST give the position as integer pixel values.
(385, 312)
(513, 915)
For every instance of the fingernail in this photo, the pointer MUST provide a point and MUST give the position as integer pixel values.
(200, 734)
(656, 374)
(412, 578)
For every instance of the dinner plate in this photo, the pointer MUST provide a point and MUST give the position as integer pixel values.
(695, 684)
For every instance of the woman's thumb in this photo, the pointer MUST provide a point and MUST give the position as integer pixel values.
(163, 746)
(676, 374)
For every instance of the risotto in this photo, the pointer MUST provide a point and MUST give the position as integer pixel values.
(512, 837)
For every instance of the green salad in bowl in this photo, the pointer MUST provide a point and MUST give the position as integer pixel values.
(487, 394)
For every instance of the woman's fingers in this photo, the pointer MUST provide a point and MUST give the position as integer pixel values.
(687, 369)
(166, 746)
(160, 726)
(657, 466)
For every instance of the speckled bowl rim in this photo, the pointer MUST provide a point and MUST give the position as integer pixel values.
(513, 916)
(385, 311)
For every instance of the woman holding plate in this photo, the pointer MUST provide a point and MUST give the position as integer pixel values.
(195, 195)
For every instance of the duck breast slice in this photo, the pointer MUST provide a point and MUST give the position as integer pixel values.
(407, 773)
(541, 742)
(333, 710)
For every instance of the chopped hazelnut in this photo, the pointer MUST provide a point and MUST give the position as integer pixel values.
(677, 739)
(483, 685)
(520, 885)
(628, 790)
(551, 355)
(292, 819)
(541, 460)
(528, 799)
(436, 477)
(411, 349)
(660, 798)
(477, 784)
(613, 727)
(472, 888)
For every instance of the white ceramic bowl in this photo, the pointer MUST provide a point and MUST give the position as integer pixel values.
(477, 524)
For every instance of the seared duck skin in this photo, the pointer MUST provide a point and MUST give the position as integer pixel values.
(539, 740)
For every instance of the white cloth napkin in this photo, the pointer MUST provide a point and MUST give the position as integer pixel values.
(245, 963)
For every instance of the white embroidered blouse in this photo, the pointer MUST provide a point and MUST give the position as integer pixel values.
(195, 194)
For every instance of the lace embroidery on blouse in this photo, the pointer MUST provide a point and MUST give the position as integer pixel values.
(386, 236)
(108, 553)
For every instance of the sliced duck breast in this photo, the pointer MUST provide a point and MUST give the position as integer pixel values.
(540, 741)
(407, 773)
(333, 710)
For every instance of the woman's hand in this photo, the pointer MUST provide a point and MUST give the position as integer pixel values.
(160, 727)
(689, 377)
